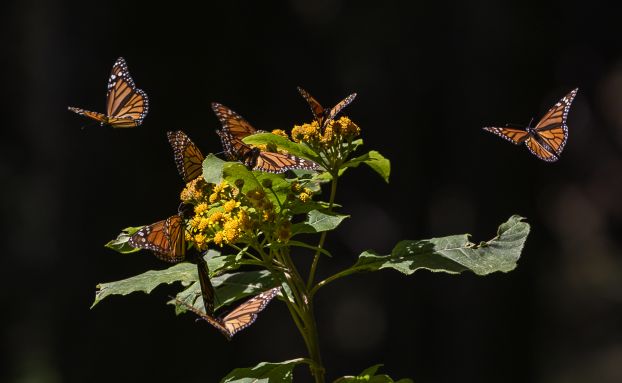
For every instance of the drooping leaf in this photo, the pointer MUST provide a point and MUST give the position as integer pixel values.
(212, 169)
(281, 142)
(318, 221)
(264, 372)
(453, 254)
(120, 243)
(374, 160)
(369, 375)
(147, 281)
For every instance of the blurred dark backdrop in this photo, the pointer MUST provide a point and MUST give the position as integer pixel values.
(429, 75)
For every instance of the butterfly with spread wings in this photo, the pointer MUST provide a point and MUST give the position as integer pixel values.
(188, 157)
(240, 317)
(166, 239)
(235, 128)
(321, 115)
(126, 105)
(547, 139)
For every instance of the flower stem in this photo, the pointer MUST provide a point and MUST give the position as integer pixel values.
(316, 257)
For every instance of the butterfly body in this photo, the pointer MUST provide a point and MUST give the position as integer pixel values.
(126, 105)
(235, 128)
(547, 138)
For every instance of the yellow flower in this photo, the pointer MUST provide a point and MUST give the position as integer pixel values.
(232, 224)
(230, 205)
(308, 191)
(213, 197)
(304, 197)
(195, 221)
(296, 187)
(193, 190)
(348, 128)
(243, 219)
(328, 133)
(280, 132)
(203, 224)
(199, 239)
(200, 208)
(215, 218)
(218, 238)
(220, 187)
(306, 132)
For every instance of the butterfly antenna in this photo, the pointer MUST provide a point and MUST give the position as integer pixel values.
(530, 122)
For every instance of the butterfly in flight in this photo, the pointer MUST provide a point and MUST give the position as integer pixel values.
(547, 138)
(166, 239)
(321, 115)
(235, 128)
(240, 317)
(126, 105)
(188, 157)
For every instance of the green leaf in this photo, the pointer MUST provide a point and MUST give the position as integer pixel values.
(264, 372)
(453, 254)
(182, 272)
(374, 160)
(212, 169)
(317, 222)
(120, 243)
(233, 171)
(229, 288)
(369, 375)
(281, 142)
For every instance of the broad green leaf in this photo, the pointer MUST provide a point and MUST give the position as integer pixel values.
(183, 272)
(374, 160)
(453, 254)
(229, 288)
(264, 372)
(281, 142)
(369, 375)
(212, 169)
(317, 222)
(233, 171)
(120, 243)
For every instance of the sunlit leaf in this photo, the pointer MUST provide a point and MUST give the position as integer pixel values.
(374, 160)
(212, 169)
(264, 372)
(453, 254)
(318, 221)
(120, 243)
(369, 376)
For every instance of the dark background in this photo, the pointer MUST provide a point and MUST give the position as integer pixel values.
(429, 75)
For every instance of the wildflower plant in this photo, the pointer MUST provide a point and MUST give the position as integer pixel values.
(246, 225)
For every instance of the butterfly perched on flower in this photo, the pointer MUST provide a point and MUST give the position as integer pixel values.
(235, 128)
(167, 240)
(188, 157)
(547, 138)
(126, 105)
(321, 115)
(240, 317)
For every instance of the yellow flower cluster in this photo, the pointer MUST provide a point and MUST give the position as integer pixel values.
(302, 193)
(336, 131)
(219, 216)
(223, 215)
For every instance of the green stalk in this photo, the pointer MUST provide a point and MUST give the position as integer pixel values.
(316, 257)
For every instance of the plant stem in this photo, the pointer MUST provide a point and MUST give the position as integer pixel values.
(316, 257)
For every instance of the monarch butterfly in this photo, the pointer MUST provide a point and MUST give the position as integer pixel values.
(126, 105)
(234, 128)
(239, 318)
(321, 115)
(188, 157)
(547, 139)
(166, 239)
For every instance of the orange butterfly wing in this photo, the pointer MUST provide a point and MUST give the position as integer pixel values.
(321, 115)
(279, 163)
(126, 105)
(552, 128)
(232, 122)
(245, 314)
(188, 157)
(540, 151)
(164, 238)
(515, 136)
